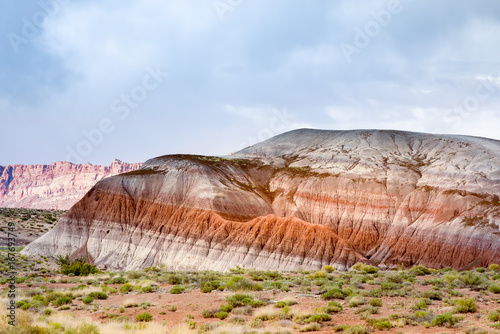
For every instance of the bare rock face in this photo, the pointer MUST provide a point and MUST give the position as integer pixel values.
(303, 199)
(55, 186)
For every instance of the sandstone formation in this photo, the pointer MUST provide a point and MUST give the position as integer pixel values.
(55, 186)
(303, 199)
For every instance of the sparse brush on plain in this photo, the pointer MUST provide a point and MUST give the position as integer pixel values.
(446, 319)
(75, 267)
(473, 280)
(357, 294)
(366, 268)
(494, 316)
(312, 327)
(128, 303)
(144, 317)
(494, 288)
(420, 270)
(287, 302)
(177, 290)
(466, 305)
(432, 294)
(356, 301)
(377, 302)
(334, 293)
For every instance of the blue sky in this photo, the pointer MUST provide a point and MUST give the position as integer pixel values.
(89, 81)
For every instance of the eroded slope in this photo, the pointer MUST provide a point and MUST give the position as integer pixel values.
(303, 199)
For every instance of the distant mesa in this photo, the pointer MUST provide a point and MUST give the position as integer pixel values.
(300, 200)
(56, 186)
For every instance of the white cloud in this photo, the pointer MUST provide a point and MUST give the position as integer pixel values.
(229, 78)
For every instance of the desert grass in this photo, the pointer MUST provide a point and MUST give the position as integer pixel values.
(130, 302)
(27, 322)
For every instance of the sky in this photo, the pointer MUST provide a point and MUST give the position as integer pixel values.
(90, 81)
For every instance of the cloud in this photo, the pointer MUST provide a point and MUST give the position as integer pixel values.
(228, 78)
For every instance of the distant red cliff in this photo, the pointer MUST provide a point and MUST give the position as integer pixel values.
(55, 186)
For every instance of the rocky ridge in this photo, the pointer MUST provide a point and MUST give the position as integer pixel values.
(56, 186)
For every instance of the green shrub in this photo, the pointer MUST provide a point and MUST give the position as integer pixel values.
(366, 268)
(465, 305)
(206, 289)
(433, 294)
(421, 305)
(172, 308)
(395, 277)
(421, 314)
(355, 301)
(494, 316)
(382, 325)
(191, 324)
(144, 317)
(377, 302)
(340, 328)
(240, 299)
(207, 314)
(23, 305)
(357, 329)
(471, 279)
(320, 317)
(495, 289)
(221, 315)
(145, 305)
(240, 283)
(88, 300)
(455, 293)
(333, 307)
(319, 274)
(62, 301)
(38, 298)
(79, 269)
(126, 288)
(494, 267)
(133, 275)
(389, 286)
(211, 285)
(445, 319)
(334, 293)
(226, 308)
(328, 269)
(177, 290)
(367, 310)
(282, 304)
(174, 279)
(98, 295)
(420, 270)
(116, 280)
(312, 327)
(53, 295)
(147, 289)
